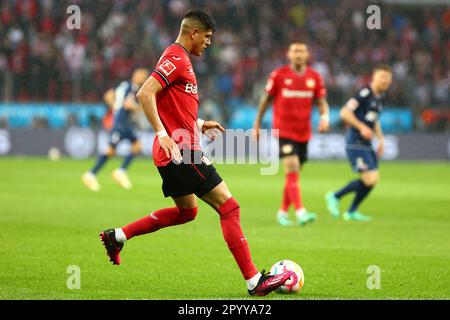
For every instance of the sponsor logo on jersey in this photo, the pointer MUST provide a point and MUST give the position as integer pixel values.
(371, 116)
(364, 92)
(167, 67)
(286, 93)
(310, 83)
(190, 88)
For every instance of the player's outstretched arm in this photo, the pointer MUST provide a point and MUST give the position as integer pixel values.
(347, 115)
(147, 99)
(379, 134)
(263, 104)
(130, 104)
(324, 110)
(211, 129)
(108, 98)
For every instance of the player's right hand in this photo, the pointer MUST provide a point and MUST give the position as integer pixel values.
(366, 132)
(171, 149)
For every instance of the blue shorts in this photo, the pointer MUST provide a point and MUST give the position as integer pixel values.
(362, 159)
(117, 134)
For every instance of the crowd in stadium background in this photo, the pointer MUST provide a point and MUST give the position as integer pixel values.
(45, 61)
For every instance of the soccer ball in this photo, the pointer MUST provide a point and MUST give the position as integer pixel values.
(295, 283)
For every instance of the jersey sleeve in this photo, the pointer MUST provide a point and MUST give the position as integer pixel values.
(271, 85)
(120, 94)
(357, 99)
(321, 90)
(169, 69)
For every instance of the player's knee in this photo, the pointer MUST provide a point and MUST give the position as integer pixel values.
(375, 180)
(291, 166)
(110, 152)
(188, 214)
(292, 169)
(371, 180)
(230, 209)
(136, 148)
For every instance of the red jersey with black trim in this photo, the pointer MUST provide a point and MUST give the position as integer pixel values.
(177, 102)
(294, 94)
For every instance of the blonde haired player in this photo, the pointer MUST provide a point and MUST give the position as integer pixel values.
(361, 114)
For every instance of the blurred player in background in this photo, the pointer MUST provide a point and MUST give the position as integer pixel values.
(361, 114)
(169, 99)
(124, 104)
(294, 88)
(108, 118)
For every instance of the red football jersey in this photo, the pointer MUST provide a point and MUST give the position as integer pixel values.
(177, 102)
(294, 94)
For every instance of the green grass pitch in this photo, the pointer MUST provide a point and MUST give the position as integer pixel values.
(50, 221)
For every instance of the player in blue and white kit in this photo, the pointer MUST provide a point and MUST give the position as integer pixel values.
(125, 104)
(361, 114)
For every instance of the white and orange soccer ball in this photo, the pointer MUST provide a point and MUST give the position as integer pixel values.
(295, 283)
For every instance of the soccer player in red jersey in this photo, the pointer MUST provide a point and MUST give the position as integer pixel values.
(169, 99)
(293, 88)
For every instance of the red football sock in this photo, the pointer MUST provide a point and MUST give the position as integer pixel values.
(232, 232)
(293, 187)
(159, 219)
(286, 201)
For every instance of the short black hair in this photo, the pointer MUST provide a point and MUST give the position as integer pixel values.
(205, 19)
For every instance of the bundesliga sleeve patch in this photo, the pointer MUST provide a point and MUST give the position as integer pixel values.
(167, 67)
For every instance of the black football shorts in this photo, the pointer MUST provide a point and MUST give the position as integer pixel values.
(290, 147)
(198, 176)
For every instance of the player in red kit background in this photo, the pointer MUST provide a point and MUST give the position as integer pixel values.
(170, 101)
(293, 89)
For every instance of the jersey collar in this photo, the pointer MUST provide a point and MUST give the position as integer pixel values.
(297, 72)
(182, 47)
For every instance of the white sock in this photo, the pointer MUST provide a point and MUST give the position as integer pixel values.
(282, 213)
(300, 212)
(120, 235)
(252, 282)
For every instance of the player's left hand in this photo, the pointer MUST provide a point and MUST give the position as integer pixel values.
(324, 126)
(212, 129)
(380, 149)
